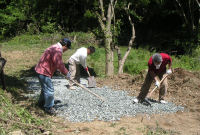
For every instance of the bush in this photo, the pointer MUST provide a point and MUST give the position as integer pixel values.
(49, 27)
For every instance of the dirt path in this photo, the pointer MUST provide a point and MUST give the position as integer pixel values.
(184, 89)
(179, 123)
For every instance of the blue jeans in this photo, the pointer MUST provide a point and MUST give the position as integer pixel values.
(47, 93)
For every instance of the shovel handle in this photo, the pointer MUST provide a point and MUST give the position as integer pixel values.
(88, 73)
(87, 90)
(157, 86)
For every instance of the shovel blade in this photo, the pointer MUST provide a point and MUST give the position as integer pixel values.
(91, 82)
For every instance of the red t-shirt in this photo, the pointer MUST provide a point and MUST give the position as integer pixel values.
(166, 60)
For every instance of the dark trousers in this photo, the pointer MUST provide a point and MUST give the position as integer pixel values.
(147, 84)
(2, 64)
(2, 80)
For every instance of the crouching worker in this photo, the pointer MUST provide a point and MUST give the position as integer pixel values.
(51, 61)
(157, 69)
(74, 62)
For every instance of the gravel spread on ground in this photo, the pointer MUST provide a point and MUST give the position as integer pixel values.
(81, 106)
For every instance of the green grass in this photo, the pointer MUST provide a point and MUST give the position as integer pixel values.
(138, 61)
(13, 117)
(158, 131)
(188, 62)
(135, 63)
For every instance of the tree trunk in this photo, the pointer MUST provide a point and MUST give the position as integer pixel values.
(108, 38)
(105, 24)
(119, 56)
(197, 22)
(109, 59)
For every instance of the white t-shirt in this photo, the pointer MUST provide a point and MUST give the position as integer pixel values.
(80, 56)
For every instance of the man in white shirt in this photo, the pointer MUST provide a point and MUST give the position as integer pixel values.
(77, 59)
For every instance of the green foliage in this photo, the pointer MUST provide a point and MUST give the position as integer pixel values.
(32, 28)
(26, 117)
(97, 61)
(187, 62)
(12, 18)
(2, 131)
(49, 28)
(187, 45)
(137, 61)
(89, 14)
(152, 20)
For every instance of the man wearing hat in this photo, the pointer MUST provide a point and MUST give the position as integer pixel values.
(156, 70)
(51, 61)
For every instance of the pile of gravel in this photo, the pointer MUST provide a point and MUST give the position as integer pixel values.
(80, 106)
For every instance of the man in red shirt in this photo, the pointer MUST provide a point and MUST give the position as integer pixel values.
(51, 61)
(156, 70)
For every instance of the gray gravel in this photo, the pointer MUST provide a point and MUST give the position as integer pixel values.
(80, 106)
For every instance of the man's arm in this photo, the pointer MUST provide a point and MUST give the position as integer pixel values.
(153, 75)
(169, 70)
(59, 63)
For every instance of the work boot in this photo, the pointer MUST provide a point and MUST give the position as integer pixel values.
(57, 101)
(72, 88)
(135, 100)
(163, 102)
(145, 102)
(142, 101)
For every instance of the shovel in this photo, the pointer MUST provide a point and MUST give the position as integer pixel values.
(78, 84)
(91, 81)
(149, 95)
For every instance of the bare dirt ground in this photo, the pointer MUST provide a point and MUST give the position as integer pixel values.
(184, 89)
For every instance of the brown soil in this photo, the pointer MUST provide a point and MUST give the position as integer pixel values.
(184, 89)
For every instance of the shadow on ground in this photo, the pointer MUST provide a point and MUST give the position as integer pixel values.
(14, 86)
(17, 85)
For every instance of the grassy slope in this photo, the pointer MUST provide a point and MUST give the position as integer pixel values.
(23, 52)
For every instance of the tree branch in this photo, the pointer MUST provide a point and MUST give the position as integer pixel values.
(102, 10)
(130, 42)
(182, 11)
(198, 3)
(100, 21)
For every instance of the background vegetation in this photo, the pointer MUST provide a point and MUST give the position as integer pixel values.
(30, 47)
(161, 25)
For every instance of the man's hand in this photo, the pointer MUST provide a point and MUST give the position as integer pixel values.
(157, 84)
(86, 68)
(169, 71)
